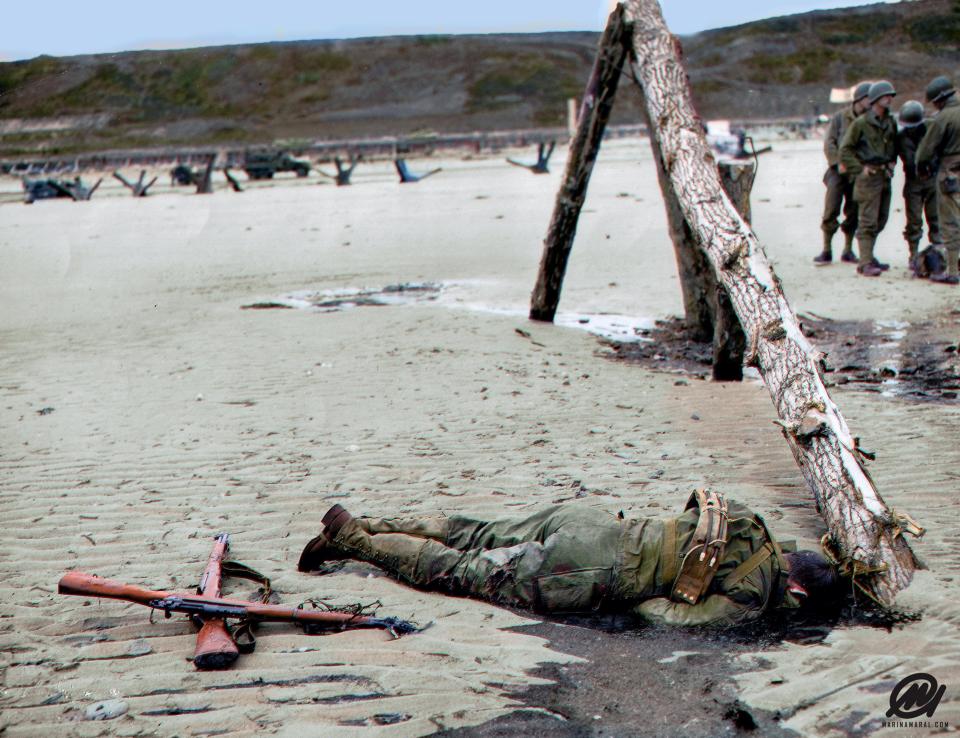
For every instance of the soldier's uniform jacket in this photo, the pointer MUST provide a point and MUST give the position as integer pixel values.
(751, 577)
(908, 139)
(870, 140)
(839, 124)
(942, 139)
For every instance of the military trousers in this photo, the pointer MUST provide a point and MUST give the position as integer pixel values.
(948, 206)
(872, 193)
(561, 559)
(919, 199)
(838, 199)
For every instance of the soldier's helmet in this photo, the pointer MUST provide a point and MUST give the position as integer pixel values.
(940, 88)
(862, 90)
(880, 89)
(911, 114)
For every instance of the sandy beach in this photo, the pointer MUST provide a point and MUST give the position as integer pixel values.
(143, 411)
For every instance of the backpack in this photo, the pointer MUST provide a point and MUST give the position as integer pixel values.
(929, 261)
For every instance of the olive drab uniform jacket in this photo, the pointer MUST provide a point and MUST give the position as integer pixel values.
(870, 140)
(750, 579)
(942, 138)
(839, 124)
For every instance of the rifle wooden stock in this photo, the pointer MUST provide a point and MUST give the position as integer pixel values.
(216, 648)
(89, 585)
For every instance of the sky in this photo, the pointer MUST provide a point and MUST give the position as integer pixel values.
(67, 27)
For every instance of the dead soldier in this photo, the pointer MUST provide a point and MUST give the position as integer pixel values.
(716, 564)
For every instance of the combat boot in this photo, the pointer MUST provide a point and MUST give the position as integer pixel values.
(866, 267)
(415, 560)
(825, 256)
(848, 256)
(913, 248)
(951, 275)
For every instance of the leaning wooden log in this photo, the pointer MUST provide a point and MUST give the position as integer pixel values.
(698, 285)
(584, 147)
(864, 532)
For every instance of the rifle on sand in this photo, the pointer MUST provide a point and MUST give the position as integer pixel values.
(217, 647)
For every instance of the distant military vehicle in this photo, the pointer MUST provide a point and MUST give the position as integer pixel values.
(264, 164)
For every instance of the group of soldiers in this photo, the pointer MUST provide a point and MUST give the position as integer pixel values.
(862, 146)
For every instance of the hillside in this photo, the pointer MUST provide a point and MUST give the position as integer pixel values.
(782, 67)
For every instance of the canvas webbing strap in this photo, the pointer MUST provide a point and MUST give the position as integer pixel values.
(668, 555)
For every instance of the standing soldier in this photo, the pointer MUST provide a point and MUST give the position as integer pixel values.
(919, 191)
(839, 195)
(939, 152)
(869, 153)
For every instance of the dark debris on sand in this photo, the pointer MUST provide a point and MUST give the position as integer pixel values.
(915, 361)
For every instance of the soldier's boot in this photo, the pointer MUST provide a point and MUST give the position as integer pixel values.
(825, 256)
(951, 275)
(848, 256)
(866, 266)
(914, 250)
(420, 561)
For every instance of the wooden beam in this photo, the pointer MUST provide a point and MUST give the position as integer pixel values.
(867, 535)
(584, 147)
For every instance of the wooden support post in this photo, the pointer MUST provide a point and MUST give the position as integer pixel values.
(865, 533)
(234, 182)
(584, 147)
(205, 181)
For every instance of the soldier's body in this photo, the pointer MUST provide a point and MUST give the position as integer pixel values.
(869, 153)
(939, 152)
(839, 195)
(581, 559)
(919, 190)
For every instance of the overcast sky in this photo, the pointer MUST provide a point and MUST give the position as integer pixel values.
(64, 27)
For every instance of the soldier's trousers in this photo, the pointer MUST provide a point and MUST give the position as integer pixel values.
(948, 202)
(872, 193)
(561, 559)
(919, 199)
(838, 198)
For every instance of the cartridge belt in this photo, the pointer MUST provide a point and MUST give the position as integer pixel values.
(704, 553)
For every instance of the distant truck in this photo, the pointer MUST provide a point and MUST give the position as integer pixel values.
(264, 164)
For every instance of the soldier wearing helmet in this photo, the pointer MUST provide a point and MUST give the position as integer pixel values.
(919, 190)
(939, 151)
(839, 196)
(869, 153)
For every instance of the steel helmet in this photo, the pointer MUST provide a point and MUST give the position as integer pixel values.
(939, 89)
(862, 90)
(911, 114)
(880, 89)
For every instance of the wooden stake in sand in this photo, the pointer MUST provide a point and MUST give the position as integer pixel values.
(138, 188)
(584, 147)
(867, 535)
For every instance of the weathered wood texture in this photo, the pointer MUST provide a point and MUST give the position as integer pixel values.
(697, 282)
(584, 147)
(729, 342)
(866, 533)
